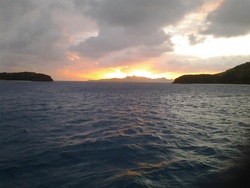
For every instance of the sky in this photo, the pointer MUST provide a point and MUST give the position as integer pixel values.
(95, 39)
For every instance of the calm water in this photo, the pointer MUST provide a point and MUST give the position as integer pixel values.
(78, 134)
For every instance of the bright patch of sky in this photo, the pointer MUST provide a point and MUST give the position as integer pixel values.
(83, 39)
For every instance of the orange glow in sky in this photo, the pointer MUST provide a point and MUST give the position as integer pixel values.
(140, 73)
(115, 74)
(119, 73)
(108, 73)
(80, 41)
(89, 69)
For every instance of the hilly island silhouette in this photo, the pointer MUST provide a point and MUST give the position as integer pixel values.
(25, 76)
(237, 75)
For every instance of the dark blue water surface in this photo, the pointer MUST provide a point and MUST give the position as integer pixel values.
(80, 134)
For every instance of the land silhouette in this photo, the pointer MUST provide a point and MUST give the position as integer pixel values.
(237, 75)
(134, 79)
(25, 76)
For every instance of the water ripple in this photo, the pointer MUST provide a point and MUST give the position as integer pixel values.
(67, 134)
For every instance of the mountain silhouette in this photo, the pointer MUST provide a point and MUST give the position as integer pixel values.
(134, 79)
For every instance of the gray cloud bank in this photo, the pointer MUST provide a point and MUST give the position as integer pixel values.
(37, 35)
(131, 23)
(229, 20)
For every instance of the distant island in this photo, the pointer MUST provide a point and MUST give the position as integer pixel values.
(25, 76)
(237, 75)
(134, 79)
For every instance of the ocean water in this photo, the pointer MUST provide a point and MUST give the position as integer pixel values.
(80, 134)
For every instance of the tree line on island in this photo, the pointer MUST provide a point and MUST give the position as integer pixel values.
(25, 76)
(237, 75)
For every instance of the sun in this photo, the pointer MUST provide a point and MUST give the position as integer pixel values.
(115, 74)
(118, 73)
(141, 73)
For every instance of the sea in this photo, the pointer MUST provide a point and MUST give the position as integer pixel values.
(133, 135)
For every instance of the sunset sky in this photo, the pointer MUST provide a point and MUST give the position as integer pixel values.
(94, 39)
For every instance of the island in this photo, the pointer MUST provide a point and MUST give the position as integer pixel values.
(25, 76)
(237, 75)
(134, 79)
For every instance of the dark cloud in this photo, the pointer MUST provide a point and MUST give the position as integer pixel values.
(230, 19)
(116, 39)
(131, 23)
(135, 13)
(10, 11)
(29, 33)
(49, 34)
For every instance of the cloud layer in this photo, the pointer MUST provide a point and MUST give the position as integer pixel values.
(65, 38)
(230, 19)
(29, 34)
(131, 23)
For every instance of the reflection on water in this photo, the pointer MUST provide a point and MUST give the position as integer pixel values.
(73, 134)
